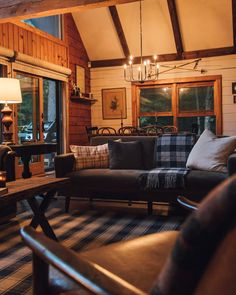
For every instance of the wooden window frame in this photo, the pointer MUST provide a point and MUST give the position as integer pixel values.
(215, 81)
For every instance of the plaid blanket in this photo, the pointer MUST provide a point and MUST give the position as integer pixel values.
(172, 150)
(166, 178)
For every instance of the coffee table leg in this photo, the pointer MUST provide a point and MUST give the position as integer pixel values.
(43, 206)
(39, 218)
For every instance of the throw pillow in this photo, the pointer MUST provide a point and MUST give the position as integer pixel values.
(211, 153)
(172, 150)
(125, 155)
(91, 156)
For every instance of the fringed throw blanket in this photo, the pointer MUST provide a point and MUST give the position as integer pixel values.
(166, 178)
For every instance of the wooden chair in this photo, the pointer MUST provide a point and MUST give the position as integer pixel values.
(91, 131)
(128, 130)
(170, 129)
(106, 131)
(200, 259)
(152, 130)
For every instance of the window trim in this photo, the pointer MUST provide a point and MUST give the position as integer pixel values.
(216, 81)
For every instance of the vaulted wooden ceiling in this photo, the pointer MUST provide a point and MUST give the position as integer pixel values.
(172, 29)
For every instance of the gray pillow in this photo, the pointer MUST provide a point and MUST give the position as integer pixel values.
(125, 155)
(210, 153)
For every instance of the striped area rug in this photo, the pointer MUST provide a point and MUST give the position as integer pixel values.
(78, 230)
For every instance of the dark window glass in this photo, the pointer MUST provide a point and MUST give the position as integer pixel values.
(155, 99)
(160, 121)
(197, 124)
(196, 98)
(48, 24)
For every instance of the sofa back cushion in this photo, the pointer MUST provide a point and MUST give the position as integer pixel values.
(172, 150)
(147, 142)
(125, 155)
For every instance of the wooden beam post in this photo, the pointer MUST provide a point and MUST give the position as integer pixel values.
(17, 10)
(119, 30)
(175, 26)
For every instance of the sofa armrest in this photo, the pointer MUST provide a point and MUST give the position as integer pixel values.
(83, 272)
(64, 164)
(231, 164)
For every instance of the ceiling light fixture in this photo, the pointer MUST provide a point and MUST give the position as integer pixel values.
(146, 70)
(150, 70)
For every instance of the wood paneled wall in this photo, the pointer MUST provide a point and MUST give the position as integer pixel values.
(79, 113)
(27, 40)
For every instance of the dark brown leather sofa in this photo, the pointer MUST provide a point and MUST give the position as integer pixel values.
(198, 260)
(128, 184)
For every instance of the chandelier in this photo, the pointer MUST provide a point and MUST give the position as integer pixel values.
(147, 70)
(150, 70)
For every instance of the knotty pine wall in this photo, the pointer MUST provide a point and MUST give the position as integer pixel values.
(25, 39)
(79, 113)
(68, 53)
(113, 78)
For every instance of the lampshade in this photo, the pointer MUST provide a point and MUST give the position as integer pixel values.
(10, 91)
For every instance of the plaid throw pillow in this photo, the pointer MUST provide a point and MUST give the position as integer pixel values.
(172, 150)
(91, 156)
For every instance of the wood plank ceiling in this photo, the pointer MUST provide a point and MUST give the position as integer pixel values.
(172, 29)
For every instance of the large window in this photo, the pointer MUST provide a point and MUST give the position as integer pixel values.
(48, 24)
(190, 104)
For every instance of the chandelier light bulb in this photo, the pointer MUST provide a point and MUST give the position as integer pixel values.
(155, 57)
(125, 66)
(130, 62)
(131, 57)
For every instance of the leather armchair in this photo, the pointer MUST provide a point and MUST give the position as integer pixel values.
(7, 163)
(200, 259)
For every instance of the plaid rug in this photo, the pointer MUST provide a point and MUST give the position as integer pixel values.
(79, 231)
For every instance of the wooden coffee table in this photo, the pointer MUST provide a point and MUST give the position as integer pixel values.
(28, 189)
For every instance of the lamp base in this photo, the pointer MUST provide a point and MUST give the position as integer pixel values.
(7, 122)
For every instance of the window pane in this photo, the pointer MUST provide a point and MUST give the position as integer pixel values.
(155, 99)
(196, 98)
(197, 124)
(161, 121)
(28, 110)
(48, 24)
(49, 118)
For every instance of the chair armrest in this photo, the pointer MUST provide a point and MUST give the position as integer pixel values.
(187, 204)
(89, 275)
(9, 165)
(231, 164)
(64, 164)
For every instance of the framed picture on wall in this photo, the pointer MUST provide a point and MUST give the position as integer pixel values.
(80, 78)
(114, 103)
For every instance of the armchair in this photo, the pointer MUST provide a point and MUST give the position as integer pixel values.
(7, 163)
(199, 260)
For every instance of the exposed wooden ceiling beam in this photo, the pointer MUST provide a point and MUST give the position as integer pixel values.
(234, 22)
(119, 30)
(23, 9)
(175, 26)
(122, 61)
(167, 57)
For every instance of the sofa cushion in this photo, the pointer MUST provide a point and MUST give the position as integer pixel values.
(106, 180)
(203, 180)
(210, 153)
(148, 145)
(125, 155)
(90, 156)
(172, 150)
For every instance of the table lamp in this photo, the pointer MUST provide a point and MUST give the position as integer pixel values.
(10, 92)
